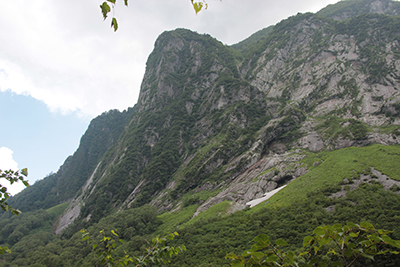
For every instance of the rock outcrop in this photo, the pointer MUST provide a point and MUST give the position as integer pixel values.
(237, 121)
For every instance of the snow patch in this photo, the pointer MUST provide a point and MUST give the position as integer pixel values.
(266, 196)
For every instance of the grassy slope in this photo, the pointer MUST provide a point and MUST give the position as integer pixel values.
(212, 234)
(333, 167)
(339, 164)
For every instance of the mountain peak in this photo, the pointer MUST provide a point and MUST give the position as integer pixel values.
(351, 8)
(234, 122)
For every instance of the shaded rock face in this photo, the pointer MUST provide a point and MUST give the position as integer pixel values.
(343, 11)
(331, 79)
(237, 122)
(375, 176)
(264, 176)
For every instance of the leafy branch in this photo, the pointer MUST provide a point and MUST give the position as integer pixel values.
(158, 253)
(199, 5)
(335, 245)
(349, 242)
(264, 253)
(106, 9)
(12, 177)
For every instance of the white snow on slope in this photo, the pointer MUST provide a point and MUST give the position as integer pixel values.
(266, 196)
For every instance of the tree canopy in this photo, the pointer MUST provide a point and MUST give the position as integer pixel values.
(12, 177)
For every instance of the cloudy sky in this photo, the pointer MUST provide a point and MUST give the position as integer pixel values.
(61, 65)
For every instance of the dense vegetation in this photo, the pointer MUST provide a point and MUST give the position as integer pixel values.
(208, 240)
(347, 9)
(210, 236)
(182, 116)
(201, 123)
(61, 186)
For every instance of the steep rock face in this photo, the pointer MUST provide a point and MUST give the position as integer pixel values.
(190, 80)
(327, 68)
(63, 185)
(349, 9)
(237, 122)
(330, 68)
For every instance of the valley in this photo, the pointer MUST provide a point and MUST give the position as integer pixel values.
(304, 112)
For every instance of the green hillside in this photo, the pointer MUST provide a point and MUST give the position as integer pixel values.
(311, 103)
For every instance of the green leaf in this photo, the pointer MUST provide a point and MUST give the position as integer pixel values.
(114, 233)
(4, 250)
(390, 241)
(171, 236)
(258, 254)
(111, 1)
(237, 264)
(114, 24)
(198, 6)
(332, 251)
(324, 241)
(352, 234)
(348, 253)
(375, 238)
(105, 9)
(338, 227)
(307, 240)
(262, 238)
(368, 256)
(272, 258)
(303, 253)
(15, 212)
(247, 253)
(290, 255)
(367, 225)
(281, 242)
(319, 231)
(24, 172)
(353, 225)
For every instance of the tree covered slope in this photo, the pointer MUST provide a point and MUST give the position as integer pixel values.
(312, 103)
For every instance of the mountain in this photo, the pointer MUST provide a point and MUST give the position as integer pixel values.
(349, 9)
(312, 103)
(62, 186)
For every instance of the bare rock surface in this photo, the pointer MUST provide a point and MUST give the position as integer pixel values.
(376, 176)
(262, 177)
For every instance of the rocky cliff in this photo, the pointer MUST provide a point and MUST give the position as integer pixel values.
(234, 122)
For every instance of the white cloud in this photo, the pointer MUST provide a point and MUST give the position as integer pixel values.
(62, 53)
(6, 163)
(6, 159)
(52, 53)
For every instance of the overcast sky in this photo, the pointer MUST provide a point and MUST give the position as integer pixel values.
(61, 65)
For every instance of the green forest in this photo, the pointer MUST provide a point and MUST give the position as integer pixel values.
(311, 103)
(213, 234)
